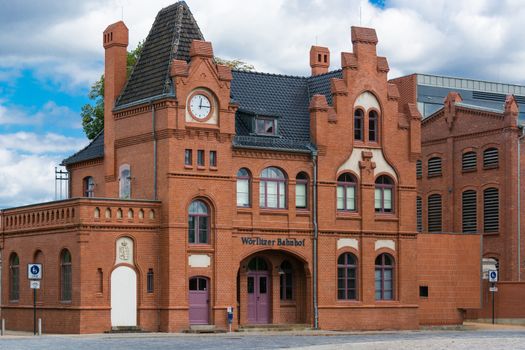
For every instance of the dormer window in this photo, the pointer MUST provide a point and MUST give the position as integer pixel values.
(266, 126)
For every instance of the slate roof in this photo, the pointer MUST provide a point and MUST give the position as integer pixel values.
(170, 38)
(94, 150)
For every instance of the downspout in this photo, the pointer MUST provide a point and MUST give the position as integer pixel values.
(154, 135)
(316, 234)
(519, 202)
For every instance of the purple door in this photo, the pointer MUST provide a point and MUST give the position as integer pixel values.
(199, 301)
(258, 305)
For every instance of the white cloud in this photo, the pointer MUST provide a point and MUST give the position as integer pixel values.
(50, 112)
(28, 142)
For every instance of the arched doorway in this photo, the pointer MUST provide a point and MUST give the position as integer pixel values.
(199, 299)
(123, 297)
(258, 281)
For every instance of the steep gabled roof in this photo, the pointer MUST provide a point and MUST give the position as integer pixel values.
(94, 150)
(170, 38)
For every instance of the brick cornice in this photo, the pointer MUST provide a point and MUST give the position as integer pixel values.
(263, 154)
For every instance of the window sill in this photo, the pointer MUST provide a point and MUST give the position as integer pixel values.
(490, 234)
(386, 217)
(274, 211)
(200, 248)
(490, 167)
(201, 167)
(244, 209)
(189, 167)
(213, 168)
(350, 215)
(432, 176)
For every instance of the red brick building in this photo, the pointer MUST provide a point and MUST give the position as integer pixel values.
(291, 199)
(468, 183)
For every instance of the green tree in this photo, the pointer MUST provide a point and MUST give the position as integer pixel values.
(93, 113)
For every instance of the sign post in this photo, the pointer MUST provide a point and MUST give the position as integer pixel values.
(230, 317)
(34, 274)
(493, 278)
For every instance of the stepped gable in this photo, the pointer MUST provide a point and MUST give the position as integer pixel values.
(170, 38)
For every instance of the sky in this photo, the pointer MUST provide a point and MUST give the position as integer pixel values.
(51, 52)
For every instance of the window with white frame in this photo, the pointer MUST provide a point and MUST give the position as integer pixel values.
(272, 189)
(125, 182)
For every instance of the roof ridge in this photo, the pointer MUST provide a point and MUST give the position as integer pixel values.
(269, 74)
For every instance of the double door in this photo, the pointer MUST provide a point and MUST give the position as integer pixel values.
(258, 297)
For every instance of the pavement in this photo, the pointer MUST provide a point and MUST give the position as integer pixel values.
(470, 336)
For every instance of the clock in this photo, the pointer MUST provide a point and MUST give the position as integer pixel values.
(200, 106)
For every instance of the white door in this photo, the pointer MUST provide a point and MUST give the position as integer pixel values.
(123, 297)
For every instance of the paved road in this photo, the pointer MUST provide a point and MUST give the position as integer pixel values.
(428, 340)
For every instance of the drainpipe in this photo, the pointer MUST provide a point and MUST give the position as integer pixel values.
(519, 202)
(316, 233)
(154, 149)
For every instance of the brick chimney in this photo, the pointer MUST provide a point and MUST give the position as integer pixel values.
(115, 41)
(319, 59)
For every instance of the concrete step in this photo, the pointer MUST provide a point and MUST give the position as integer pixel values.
(126, 329)
(274, 327)
(204, 328)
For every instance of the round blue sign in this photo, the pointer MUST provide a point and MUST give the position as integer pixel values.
(35, 270)
(493, 274)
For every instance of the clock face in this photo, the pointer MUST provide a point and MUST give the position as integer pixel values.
(200, 106)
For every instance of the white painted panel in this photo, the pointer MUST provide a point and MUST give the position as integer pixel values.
(382, 166)
(123, 297)
(367, 100)
(199, 260)
(348, 242)
(124, 252)
(385, 243)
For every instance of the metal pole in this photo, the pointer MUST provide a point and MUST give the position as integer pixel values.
(39, 326)
(34, 311)
(493, 303)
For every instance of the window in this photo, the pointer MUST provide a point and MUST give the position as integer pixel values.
(200, 157)
(149, 283)
(419, 214)
(491, 210)
(469, 211)
(89, 187)
(423, 291)
(199, 223)
(286, 280)
(65, 276)
(372, 126)
(383, 194)
(347, 277)
(434, 213)
(434, 166)
(100, 275)
(346, 185)
(14, 277)
(384, 277)
(213, 159)
(419, 169)
(469, 161)
(301, 190)
(490, 158)
(243, 188)
(188, 157)
(358, 124)
(125, 182)
(265, 126)
(272, 189)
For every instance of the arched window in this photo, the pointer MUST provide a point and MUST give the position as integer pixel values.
(65, 276)
(434, 167)
(469, 211)
(434, 213)
(347, 277)
(419, 214)
(491, 210)
(286, 280)
(199, 223)
(125, 182)
(372, 126)
(14, 277)
(384, 194)
(469, 161)
(257, 264)
(384, 277)
(272, 189)
(89, 187)
(358, 124)
(243, 188)
(490, 158)
(419, 168)
(346, 194)
(301, 190)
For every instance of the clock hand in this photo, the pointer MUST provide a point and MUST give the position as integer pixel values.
(200, 103)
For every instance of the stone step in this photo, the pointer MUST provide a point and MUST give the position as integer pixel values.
(126, 329)
(204, 328)
(274, 327)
